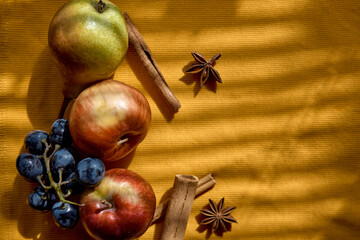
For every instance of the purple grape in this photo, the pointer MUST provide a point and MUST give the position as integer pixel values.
(60, 133)
(65, 215)
(90, 171)
(33, 142)
(42, 200)
(63, 160)
(29, 166)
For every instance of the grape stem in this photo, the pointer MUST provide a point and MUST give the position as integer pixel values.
(53, 184)
(38, 178)
(60, 171)
(68, 193)
(67, 181)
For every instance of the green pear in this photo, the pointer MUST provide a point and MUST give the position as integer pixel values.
(88, 40)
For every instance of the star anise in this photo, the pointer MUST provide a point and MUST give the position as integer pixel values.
(205, 67)
(217, 215)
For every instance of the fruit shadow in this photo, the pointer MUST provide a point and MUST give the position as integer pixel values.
(44, 96)
(143, 76)
(194, 78)
(121, 163)
(40, 225)
(28, 227)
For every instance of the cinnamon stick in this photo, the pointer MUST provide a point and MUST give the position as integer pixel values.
(150, 64)
(204, 184)
(178, 212)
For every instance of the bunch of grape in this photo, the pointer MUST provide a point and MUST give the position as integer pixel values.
(50, 161)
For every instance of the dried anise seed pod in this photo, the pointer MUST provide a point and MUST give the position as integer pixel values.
(205, 67)
(218, 215)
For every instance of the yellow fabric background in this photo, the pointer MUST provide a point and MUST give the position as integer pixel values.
(281, 134)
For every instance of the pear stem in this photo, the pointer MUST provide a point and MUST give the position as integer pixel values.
(64, 105)
(100, 6)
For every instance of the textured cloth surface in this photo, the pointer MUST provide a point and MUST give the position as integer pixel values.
(280, 134)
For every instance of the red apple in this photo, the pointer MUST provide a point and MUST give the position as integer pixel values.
(109, 119)
(121, 207)
(89, 40)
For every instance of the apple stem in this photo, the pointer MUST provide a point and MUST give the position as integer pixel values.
(121, 141)
(106, 203)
